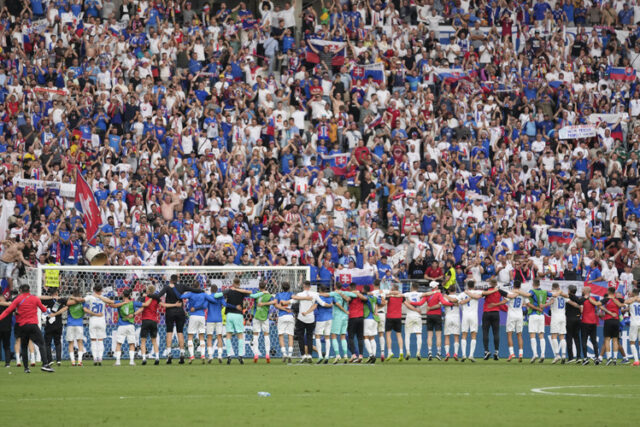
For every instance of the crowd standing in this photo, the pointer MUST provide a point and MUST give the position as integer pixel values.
(210, 136)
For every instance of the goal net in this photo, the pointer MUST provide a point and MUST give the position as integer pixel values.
(115, 279)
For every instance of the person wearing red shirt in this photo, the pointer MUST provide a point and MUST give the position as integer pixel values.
(491, 320)
(434, 272)
(149, 328)
(27, 306)
(611, 307)
(355, 328)
(589, 322)
(393, 322)
(435, 302)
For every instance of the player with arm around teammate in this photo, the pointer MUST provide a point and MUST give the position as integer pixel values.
(260, 322)
(452, 322)
(611, 306)
(196, 326)
(558, 329)
(371, 320)
(215, 326)
(470, 318)
(324, 321)
(97, 306)
(75, 325)
(127, 310)
(286, 322)
(536, 304)
(339, 321)
(633, 305)
(515, 318)
(149, 327)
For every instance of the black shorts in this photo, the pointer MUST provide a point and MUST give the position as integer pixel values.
(149, 328)
(176, 319)
(434, 322)
(611, 328)
(16, 331)
(393, 325)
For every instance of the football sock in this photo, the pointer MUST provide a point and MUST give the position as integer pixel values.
(374, 347)
(381, 338)
(634, 352)
(190, 347)
(227, 344)
(80, 354)
(446, 348)
(456, 346)
(336, 348)
(319, 347)
(267, 346)
(367, 346)
(563, 347)
(463, 341)
(118, 354)
(472, 348)
(554, 346)
(511, 350)
(543, 345)
(343, 341)
(534, 348)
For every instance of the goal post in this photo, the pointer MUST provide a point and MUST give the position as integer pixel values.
(115, 279)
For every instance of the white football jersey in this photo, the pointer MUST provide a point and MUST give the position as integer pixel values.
(382, 294)
(413, 297)
(96, 305)
(515, 307)
(634, 313)
(453, 312)
(557, 307)
(470, 309)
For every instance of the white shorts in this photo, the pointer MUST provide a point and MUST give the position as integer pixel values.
(75, 333)
(469, 324)
(634, 332)
(370, 328)
(286, 325)
(536, 324)
(451, 326)
(558, 325)
(215, 328)
(515, 324)
(382, 322)
(97, 330)
(128, 333)
(324, 328)
(412, 325)
(196, 325)
(260, 326)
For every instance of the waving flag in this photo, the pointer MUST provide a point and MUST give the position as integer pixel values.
(363, 72)
(86, 204)
(627, 74)
(357, 276)
(338, 162)
(337, 48)
(563, 236)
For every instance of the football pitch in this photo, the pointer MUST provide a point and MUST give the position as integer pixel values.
(393, 393)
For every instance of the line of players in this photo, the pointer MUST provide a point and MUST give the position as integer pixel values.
(349, 322)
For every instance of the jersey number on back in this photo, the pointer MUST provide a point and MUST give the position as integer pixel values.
(96, 307)
(517, 302)
(637, 309)
(560, 303)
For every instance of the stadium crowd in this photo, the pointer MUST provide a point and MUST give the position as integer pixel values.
(264, 135)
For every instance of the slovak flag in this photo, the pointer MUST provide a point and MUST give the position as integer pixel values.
(563, 236)
(86, 204)
(627, 74)
(363, 72)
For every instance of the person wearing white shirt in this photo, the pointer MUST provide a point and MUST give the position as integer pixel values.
(306, 320)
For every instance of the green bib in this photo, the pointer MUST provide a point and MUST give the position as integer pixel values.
(76, 311)
(126, 310)
(370, 307)
(541, 296)
(262, 313)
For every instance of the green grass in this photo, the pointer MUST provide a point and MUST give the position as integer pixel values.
(389, 394)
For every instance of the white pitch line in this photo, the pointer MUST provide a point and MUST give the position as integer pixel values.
(546, 391)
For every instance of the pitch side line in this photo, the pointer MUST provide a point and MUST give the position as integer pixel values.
(549, 391)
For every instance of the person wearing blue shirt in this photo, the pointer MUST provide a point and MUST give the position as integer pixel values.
(539, 10)
(382, 265)
(197, 304)
(286, 321)
(625, 16)
(215, 303)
